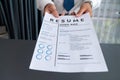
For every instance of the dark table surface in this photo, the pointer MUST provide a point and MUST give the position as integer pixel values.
(15, 57)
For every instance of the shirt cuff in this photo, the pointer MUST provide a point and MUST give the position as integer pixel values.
(94, 3)
(88, 1)
(42, 3)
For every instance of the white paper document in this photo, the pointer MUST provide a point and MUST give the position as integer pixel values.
(68, 44)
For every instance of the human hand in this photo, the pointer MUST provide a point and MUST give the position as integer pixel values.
(50, 8)
(85, 7)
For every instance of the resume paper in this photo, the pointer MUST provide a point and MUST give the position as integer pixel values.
(68, 44)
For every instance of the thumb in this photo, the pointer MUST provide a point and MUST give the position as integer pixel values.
(80, 12)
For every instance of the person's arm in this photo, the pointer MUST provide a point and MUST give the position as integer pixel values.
(42, 3)
(47, 6)
(88, 6)
(95, 3)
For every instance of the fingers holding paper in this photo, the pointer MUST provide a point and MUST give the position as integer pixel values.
(51, 9)
(85, 8)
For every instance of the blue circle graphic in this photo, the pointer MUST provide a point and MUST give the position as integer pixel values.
(41, 46)
(49, 47)
(38, 56)
(40, 51)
